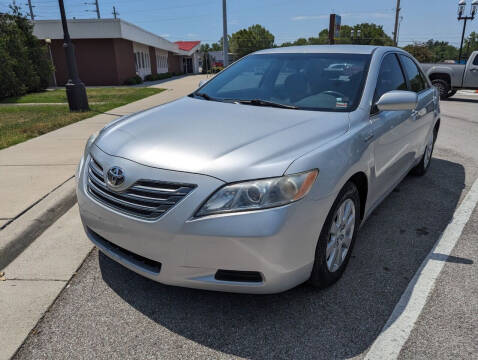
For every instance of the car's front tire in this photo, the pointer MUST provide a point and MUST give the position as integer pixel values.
(337, 238)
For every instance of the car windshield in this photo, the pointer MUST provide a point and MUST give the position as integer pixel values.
(309, 81)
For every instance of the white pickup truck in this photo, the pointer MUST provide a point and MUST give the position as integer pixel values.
(449, 78)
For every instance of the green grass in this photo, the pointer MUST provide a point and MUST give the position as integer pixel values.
(20, 123)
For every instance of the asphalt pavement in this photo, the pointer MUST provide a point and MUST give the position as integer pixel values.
(107, 311)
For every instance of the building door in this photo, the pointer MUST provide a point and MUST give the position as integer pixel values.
(189, 65)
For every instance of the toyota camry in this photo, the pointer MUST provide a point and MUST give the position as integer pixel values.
(261, 178)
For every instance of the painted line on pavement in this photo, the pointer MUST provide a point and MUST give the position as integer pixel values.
(402, 320)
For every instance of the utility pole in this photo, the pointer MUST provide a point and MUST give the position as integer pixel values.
(114, 12)
(75, 89)
(225, 45)
(97, 10)
(395, 30)
(30, 6)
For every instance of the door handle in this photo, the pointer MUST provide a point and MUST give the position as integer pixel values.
(474, 70)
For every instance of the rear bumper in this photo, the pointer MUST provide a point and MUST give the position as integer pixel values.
(278, 243)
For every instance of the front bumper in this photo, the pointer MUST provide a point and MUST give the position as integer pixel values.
(279, 243)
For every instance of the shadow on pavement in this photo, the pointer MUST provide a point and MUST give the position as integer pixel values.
(338, 322)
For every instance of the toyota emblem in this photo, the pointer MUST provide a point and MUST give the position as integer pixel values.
(115, 176)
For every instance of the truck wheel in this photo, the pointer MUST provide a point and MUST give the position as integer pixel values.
(443, 88)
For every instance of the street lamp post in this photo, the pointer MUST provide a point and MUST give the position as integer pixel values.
(75, 89)
(461, 16)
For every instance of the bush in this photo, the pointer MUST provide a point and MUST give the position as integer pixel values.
(162, 76)
(25, 66)
(133, 80)
(216, 69)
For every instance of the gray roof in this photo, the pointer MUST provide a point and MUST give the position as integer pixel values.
(343, 49)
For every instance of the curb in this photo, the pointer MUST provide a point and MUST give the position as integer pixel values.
(17, 235)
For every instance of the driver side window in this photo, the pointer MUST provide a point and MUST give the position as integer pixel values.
(390, 78)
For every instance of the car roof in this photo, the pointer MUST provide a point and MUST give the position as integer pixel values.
(337, 49)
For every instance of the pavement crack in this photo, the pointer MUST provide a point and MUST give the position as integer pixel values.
(21, 279)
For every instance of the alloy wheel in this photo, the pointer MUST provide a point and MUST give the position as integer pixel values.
(428, 151)
(340, 235)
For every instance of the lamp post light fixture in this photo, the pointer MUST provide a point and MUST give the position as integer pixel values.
(75, 89)
(462, 16)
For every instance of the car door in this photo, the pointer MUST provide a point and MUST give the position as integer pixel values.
(471, 73)
(423, 117)
(393, 151)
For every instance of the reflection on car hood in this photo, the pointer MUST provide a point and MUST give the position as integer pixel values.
(231, 142)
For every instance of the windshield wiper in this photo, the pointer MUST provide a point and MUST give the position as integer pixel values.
(204, 96)
(259, 102)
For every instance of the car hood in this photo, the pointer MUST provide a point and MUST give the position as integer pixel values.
(231, 142)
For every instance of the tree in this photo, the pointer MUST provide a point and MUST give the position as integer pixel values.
(471, 43)
(420, 52)
(441, 50)
(365, 34)
(24, 62)
(248, 40)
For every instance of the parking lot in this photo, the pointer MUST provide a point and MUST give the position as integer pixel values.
(107, 311)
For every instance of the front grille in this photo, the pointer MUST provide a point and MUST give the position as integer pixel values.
(146, 199)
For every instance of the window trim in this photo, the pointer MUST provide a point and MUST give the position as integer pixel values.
(420, 72)
(374, 109)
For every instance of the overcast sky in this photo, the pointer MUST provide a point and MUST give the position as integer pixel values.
(286, 19)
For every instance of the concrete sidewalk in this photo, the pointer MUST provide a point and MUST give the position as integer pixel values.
(34, 168)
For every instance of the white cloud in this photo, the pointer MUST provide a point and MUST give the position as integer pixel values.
(376, 15)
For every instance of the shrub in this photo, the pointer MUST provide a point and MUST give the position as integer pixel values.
(133, 80)
(216, 69)
(25, 66)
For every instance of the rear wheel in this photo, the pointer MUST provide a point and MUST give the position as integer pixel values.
(443, 88)
(424, 163)
(337, 238)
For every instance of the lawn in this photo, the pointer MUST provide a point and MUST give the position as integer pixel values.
(20, 123)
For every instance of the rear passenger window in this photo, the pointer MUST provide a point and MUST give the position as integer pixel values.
(475, 61)
(415, 77)
(390, 77)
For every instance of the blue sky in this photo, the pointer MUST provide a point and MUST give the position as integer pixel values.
(286, 19)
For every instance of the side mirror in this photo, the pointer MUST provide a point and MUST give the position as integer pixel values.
(398, 100)
(202, 82)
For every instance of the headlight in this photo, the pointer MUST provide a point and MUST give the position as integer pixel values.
(259, 194)
(90, 142)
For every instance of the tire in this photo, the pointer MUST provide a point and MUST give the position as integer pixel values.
(443, 88)
(325, 271)
(426, 159)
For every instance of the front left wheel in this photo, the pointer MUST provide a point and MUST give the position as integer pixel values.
(337, 238)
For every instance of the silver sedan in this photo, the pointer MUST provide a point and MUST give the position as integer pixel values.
(260, 179)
